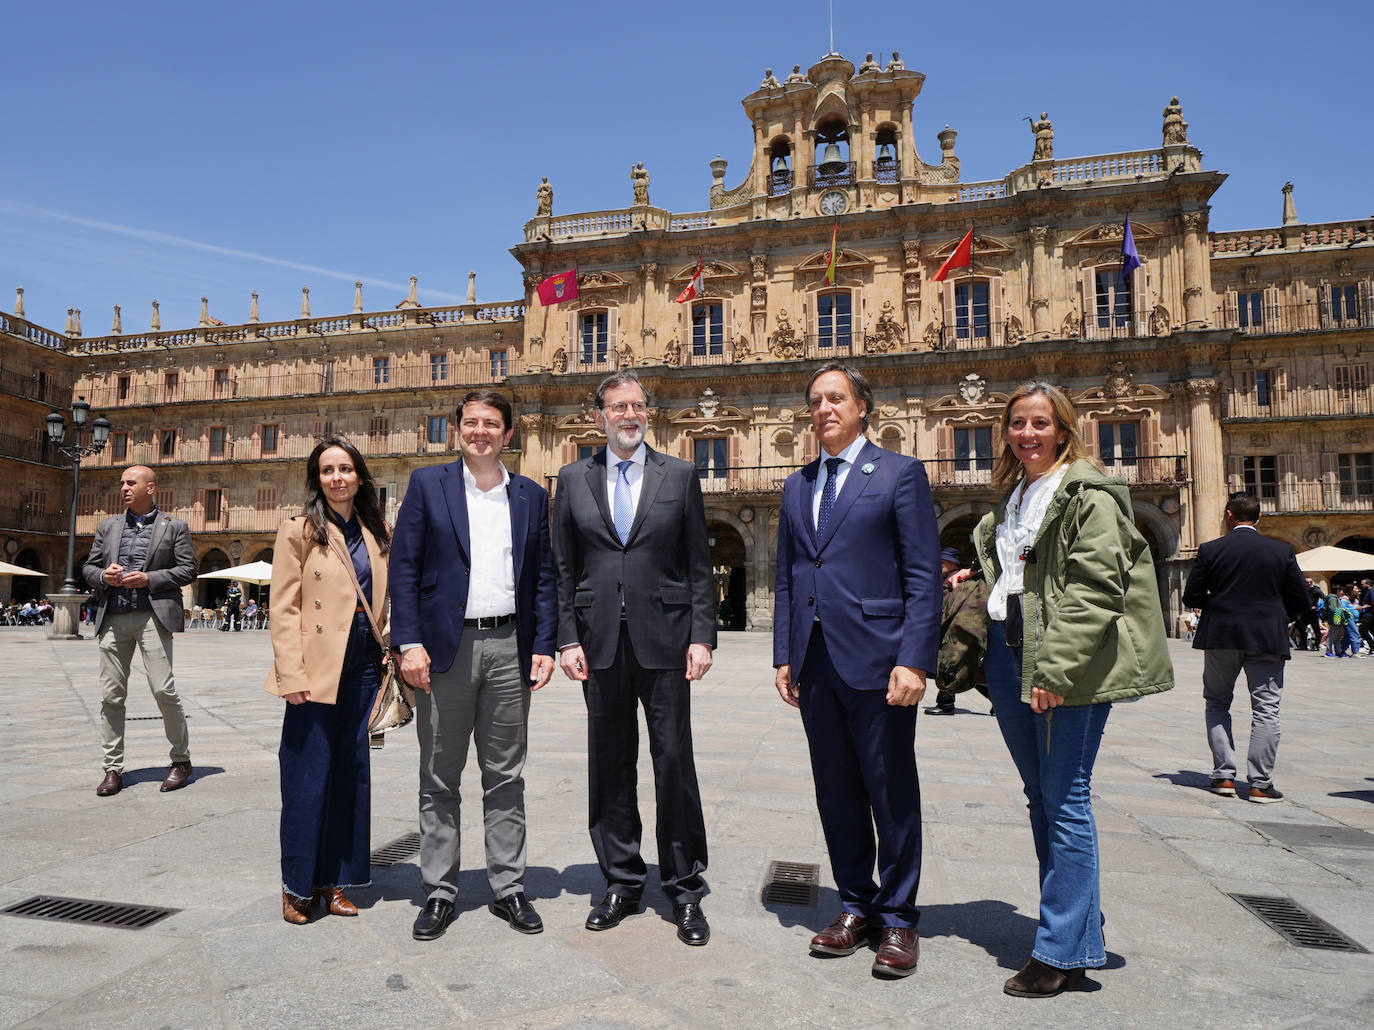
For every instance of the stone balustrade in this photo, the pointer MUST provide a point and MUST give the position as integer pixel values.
(1317, 234)
(1135, 164)
(13, 325)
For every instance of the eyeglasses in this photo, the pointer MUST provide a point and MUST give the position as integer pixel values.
(620, 407)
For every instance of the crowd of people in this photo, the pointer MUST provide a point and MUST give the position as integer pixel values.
(33, 612)
(489, 592)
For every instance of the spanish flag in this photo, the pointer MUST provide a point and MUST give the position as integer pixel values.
(961, 258)
(830, 265)
(559, 288)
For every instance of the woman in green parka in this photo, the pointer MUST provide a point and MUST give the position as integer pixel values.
(1075, 624)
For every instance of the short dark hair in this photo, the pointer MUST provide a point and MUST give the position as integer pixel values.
(1243, 506)
(490, 398)
(858, 385)
(622, 378)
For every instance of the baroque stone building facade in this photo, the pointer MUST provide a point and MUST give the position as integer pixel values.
(1225, 360)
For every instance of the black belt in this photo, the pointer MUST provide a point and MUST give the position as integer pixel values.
(488, 621)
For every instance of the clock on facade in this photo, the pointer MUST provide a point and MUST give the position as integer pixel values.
(834, 202)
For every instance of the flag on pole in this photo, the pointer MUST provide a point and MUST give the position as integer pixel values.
(830, 265)
(1130, 258)
(961, 258)
(694, 287)
(559, 288)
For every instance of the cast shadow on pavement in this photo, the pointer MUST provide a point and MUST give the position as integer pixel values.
(155, 774)
(1187, 778)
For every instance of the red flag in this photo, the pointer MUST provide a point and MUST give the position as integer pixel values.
(692, 288)
(830, 265)
(961, 258)
(557, 289)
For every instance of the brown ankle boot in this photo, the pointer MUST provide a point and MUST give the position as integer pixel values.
(339, 905)
(295, 910)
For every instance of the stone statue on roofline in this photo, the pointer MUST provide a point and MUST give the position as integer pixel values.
(869, 65)
(1175, 128)
(796, 75)
(1044, 137)
(639, 176)
(544, 198)
(770, 81)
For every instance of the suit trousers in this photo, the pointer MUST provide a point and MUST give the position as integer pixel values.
(613, 756)
(482, 696)
(863, 761)
(1264, 677)
(119, 635)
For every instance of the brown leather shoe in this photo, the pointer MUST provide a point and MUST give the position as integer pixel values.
(897, 954)
(177, 776)
(843, 936)
(1037, 980)
(111, 784)
(338, 904)
(295, 910)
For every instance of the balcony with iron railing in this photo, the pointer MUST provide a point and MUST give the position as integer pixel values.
(1300, 402)
(35, 386)
(1327, 496)
(824, 176)
(35, 447)
(26, 519)
(1160, 470)
(1276, 319)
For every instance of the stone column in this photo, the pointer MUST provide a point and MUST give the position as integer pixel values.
(1195, 269)
(1040, 287)
(911, 287)
(1207, 471)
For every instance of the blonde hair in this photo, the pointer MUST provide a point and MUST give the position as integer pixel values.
(1007, 469)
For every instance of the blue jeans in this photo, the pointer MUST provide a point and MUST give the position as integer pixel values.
(326, 785)
(1054, 753)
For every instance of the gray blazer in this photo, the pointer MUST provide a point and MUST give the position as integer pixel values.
(171, 564)
(664, 570)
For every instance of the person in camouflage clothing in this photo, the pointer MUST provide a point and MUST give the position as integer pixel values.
(963, 635)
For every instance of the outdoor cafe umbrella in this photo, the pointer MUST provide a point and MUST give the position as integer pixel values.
(1335, 559)
(257, 572)
(6, 569)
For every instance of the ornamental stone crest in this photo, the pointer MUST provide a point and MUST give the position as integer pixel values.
(1120, 380)
(973, 388)
(708, 402)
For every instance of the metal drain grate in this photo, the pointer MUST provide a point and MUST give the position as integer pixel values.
(1297, 925)
(792, 883)
(398, 850)
(149, 718)
(92, 913)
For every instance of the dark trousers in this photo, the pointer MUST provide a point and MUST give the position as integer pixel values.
(863, 759)
(613, 752)
(326, 788)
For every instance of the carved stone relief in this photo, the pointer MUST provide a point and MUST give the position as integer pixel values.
(973, 388)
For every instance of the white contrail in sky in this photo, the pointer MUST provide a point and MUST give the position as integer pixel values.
(154, 236)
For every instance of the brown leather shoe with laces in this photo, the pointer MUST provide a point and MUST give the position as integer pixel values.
(842, 937)
(295, 910)
(178, 775)
(898, 953)
(111, 784)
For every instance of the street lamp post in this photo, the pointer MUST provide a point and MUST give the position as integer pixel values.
(67, 602)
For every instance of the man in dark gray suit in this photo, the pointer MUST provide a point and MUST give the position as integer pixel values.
(139, 562)
(636, 622)
(1249, 588)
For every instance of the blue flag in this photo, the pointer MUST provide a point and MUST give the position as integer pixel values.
(1130, 259)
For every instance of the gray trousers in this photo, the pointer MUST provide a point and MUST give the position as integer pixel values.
(482, 696)
(1264, 676)
(119, 635)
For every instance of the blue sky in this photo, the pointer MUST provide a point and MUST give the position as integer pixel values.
(174, 150)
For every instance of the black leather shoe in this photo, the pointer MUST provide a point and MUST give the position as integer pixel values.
(433, 921)
(1037, 980)
(940, 710)
(517, 910)
(692, 927)
(613, 908)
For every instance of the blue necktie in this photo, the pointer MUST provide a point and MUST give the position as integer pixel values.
(623, 511)
(828, 494)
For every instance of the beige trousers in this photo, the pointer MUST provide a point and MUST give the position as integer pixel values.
(119, 635)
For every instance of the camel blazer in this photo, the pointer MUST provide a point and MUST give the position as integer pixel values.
(313, 602)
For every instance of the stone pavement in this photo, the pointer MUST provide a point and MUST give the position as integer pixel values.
(1182, 953)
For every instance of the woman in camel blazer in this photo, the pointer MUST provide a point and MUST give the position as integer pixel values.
(327, 664)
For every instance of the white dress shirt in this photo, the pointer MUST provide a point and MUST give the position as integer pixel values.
(634, 475)
(850, 454)
(491, 583)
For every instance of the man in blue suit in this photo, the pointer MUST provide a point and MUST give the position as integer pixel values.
(473, 614)
(857, 615)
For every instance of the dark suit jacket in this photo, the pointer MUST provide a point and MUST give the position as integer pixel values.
(170, 565)
(874, 577)
(430, 565)
(664, 569)
(1249, 588)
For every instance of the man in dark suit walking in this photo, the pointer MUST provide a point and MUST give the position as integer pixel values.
(473, 616)
(1249, 589)
(637, 622)
(139, 562)
(856, 630)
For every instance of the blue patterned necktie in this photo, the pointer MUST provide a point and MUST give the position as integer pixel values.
(623, 511)
(832, 466)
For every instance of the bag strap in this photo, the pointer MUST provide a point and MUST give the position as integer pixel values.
(347, 560)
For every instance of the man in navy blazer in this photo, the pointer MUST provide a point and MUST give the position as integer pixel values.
(1249, 588)
(856, 629)
(473, 615)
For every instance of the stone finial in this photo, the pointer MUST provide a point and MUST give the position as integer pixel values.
(413, 297)
(1290, 210)
(67, 329)
(155, 323)
(253, 308)
(76, 321)
(946, 137)
(117, 326)
(204, 310)
(358, 296)
(1175, 128)
(19, 301)
(718, 167)
(305, 302)
(472, 288)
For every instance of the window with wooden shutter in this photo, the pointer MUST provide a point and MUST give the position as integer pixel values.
(944, 453)
(1288, 482)
(378, 427)
(266, 499)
